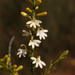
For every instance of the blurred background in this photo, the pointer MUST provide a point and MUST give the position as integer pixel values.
(60, 23)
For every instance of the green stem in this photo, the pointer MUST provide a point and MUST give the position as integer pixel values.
(31, 68)
(6, 68)
(33, 30)
(34, 5)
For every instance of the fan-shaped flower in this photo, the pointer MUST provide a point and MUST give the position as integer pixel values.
(26, 33)
(38, 63)
(41, 33)
(34, 23)
(34, 43)
(22, 52)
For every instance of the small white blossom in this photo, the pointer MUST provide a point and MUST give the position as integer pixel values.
(34, 23)
(34, 43)
(42, 33)
(26, 33)
(37, 61)
(22, 52)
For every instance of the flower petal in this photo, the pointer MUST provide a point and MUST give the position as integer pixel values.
(42, 63)
(34, 62)
(33, 58)
(37, 64)
(28, 22)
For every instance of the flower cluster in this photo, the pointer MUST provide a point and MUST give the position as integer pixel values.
(36, 33)
(35, 30)
(4, 63)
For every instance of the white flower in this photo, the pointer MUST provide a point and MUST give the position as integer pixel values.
(26, 33)
(42, 33)
(34, 43)
(37, 61)
(22, 52)
(34, 23)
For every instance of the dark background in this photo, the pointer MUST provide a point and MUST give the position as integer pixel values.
(60, 23)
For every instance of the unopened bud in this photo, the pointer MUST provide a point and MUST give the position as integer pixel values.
(37, 7)
(24, 14)
(14, 66)
(8, 60)
(19, 68)
(6, 56)
(41, 14)
(29, 10)
(39, 2)
(66, 52)
(63, 55)
(3, 59)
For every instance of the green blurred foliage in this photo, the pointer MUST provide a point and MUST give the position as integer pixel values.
(60, 22)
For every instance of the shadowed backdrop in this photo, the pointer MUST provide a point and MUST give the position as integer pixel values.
(60, 23)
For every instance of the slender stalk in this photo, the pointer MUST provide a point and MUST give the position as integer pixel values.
(33, 14)
(9, 49)
(33, 30)
(6, 68)
(31, 68)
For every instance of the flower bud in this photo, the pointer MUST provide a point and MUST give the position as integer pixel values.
(14, 66)
(37, 7)
(8, 60)
(41, 14)
(39, 2)
(65, 53)
(29, 10)
(3, 59)
(6, 56)
(24, 14)
(19, 68)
